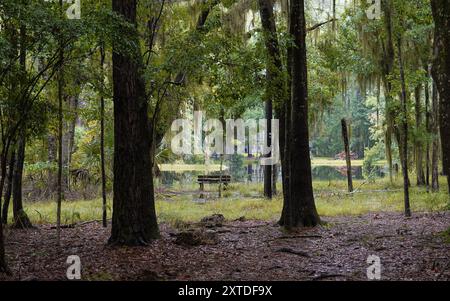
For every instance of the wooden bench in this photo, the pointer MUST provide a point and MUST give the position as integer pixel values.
(212, 179)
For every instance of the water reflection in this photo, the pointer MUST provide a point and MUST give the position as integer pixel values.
(254, 173)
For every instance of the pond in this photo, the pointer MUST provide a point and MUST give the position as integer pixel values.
(254, 173)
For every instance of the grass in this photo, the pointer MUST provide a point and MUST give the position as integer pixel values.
(338, 163)
(244, 200)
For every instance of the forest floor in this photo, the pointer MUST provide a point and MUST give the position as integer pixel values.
(409, 249)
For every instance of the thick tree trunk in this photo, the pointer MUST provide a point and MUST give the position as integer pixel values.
(347, 155)
(21, 220)
(301, 209)
(285, 137)
(134, 217)
(9, 184)
(441, 74)
(3, 158)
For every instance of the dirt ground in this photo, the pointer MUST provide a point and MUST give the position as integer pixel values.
(409, 249)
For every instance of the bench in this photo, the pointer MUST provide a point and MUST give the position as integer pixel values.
(212, 179)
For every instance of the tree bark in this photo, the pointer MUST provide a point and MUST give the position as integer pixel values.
(52, 157)
(441, 74)
(4, 154)
(301, 209)
(420, 174)
(60, 191)
(21, 220)
(102, 135)
(387, 66)
(268, 168)
(285, 136)
(68, 138)
(8, 191)
(404, 134)
(347, 155)
(428, 131)
(435, 143)
(134, 217)
(274, 179)
(274, 82)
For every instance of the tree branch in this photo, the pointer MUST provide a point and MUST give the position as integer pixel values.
(320, 24)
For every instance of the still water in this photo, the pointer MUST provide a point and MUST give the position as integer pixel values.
(254, 173)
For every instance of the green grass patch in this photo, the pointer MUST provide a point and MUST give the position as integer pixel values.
(245, 200)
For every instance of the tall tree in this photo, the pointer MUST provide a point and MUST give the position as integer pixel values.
(404, 130)
(435, 142)
(273, 80)
(134, 217)
(102, 132)
(441, 74)
(387, 66)
(60, 83)
(300, 209)
(21, 219)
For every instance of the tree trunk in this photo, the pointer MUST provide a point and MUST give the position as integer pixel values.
(301, 209)
(9, 183)
(285, 137)
(134, 217)
(21, 220)
(268, 168)
(52, 157)
(428, 131)
(4, 154)
(274, 82)
(102, 135)
(435, 143)
(68, 138)
(60, 191)
(404, 134)
(274, 179)
(387, 66)
(441, 74)
(418, 142)
(347, 155)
